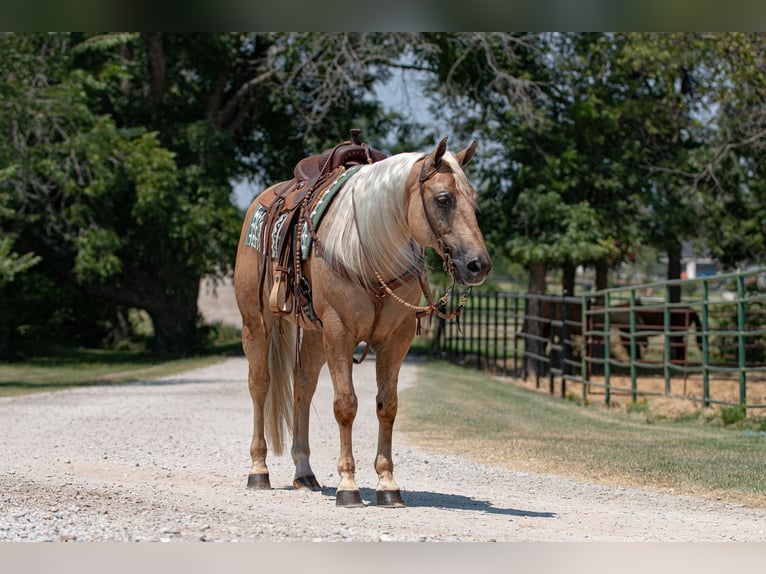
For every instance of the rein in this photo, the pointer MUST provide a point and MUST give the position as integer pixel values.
(387, 287)
(432, 307)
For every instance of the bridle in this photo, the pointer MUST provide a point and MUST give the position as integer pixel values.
(432, 307)
(387, 287)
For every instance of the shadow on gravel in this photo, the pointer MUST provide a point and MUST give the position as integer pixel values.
(415, 498)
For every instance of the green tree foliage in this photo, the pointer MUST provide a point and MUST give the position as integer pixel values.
(731, 172)
(121, 149)
(557, 173)
(606, 143)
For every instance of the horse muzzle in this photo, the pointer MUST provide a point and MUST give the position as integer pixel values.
(472, 269)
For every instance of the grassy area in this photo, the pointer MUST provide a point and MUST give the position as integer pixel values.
(459, 411)
(62, 368)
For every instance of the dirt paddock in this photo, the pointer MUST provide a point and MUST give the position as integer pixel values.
(684, 394)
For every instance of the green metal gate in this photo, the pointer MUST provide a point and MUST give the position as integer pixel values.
(701, 339)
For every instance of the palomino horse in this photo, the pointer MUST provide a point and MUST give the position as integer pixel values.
(366, 272)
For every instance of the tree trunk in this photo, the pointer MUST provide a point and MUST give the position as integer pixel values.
(155, 52)
(533, 327)
(602, 274)
(175, 314)
(568, 279)
(170, 299)
(537, 284)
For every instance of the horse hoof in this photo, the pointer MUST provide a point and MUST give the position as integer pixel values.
(258, 481)
(310, 482)
(348, 499)
(389, 498)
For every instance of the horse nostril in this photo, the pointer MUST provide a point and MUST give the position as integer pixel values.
(475, 266)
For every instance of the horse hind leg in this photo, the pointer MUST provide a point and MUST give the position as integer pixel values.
(270, 354)
(306, 377)
(255, 343)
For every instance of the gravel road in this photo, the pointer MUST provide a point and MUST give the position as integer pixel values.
(167, 460)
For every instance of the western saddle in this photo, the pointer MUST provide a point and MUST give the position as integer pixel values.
(285, 213)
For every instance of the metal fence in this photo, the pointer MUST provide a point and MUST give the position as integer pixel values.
(701, 339)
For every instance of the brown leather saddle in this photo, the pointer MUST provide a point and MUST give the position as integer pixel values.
(283, 210)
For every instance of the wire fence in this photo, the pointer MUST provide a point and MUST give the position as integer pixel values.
(701, 339)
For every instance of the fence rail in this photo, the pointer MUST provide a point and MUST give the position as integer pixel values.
(701, 339)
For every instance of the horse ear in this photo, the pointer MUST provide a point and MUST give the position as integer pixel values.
(465, 156)
(435, 157)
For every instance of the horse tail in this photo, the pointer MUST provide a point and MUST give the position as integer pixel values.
(697, 325)
(278, 409)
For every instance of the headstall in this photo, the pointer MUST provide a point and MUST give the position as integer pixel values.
(432, 307)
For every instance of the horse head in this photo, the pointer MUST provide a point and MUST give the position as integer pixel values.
(444, 216)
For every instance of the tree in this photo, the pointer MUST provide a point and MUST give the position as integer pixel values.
(124, 148)
(557, 185)
(729, 171)
(609, 142)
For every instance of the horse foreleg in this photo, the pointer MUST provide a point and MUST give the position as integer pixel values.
(388, 361)
(339, 349)
(255, 343)
(306, 376)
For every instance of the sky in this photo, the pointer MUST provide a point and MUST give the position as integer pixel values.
(401, 93)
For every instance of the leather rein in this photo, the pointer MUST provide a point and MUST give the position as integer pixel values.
(432, 307)
(387, 287)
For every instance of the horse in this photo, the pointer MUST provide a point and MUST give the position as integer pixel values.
(651, 320)
(548, 336)
(366, 271)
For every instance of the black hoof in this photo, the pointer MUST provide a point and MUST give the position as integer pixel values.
(348, 499)
(310, 482)
(259, 481)
(389, 498)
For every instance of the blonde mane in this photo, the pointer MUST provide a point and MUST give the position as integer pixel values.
(382, 241)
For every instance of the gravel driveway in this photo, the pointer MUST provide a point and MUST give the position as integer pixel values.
(167, 460)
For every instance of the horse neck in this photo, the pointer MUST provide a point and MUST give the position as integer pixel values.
(377, 238)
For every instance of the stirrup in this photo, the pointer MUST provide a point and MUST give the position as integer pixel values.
(280, 299)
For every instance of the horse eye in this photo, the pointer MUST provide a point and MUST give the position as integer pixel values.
(444, 199)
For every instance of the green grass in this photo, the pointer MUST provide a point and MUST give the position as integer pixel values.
(490, 420)
(61, 368)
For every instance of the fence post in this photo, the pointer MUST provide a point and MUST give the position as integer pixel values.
(633, 373)
(564, 343)
(456, 341)
(607, 350)
(741, 350)
(484, 350)
(465, 327)
(478, 332)
(585, 363)
(705, 346)
(551, 339)
(505, 336)
(495, 337)
(448, 338)
(516, 341)
(666, 330)
(487, 328)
